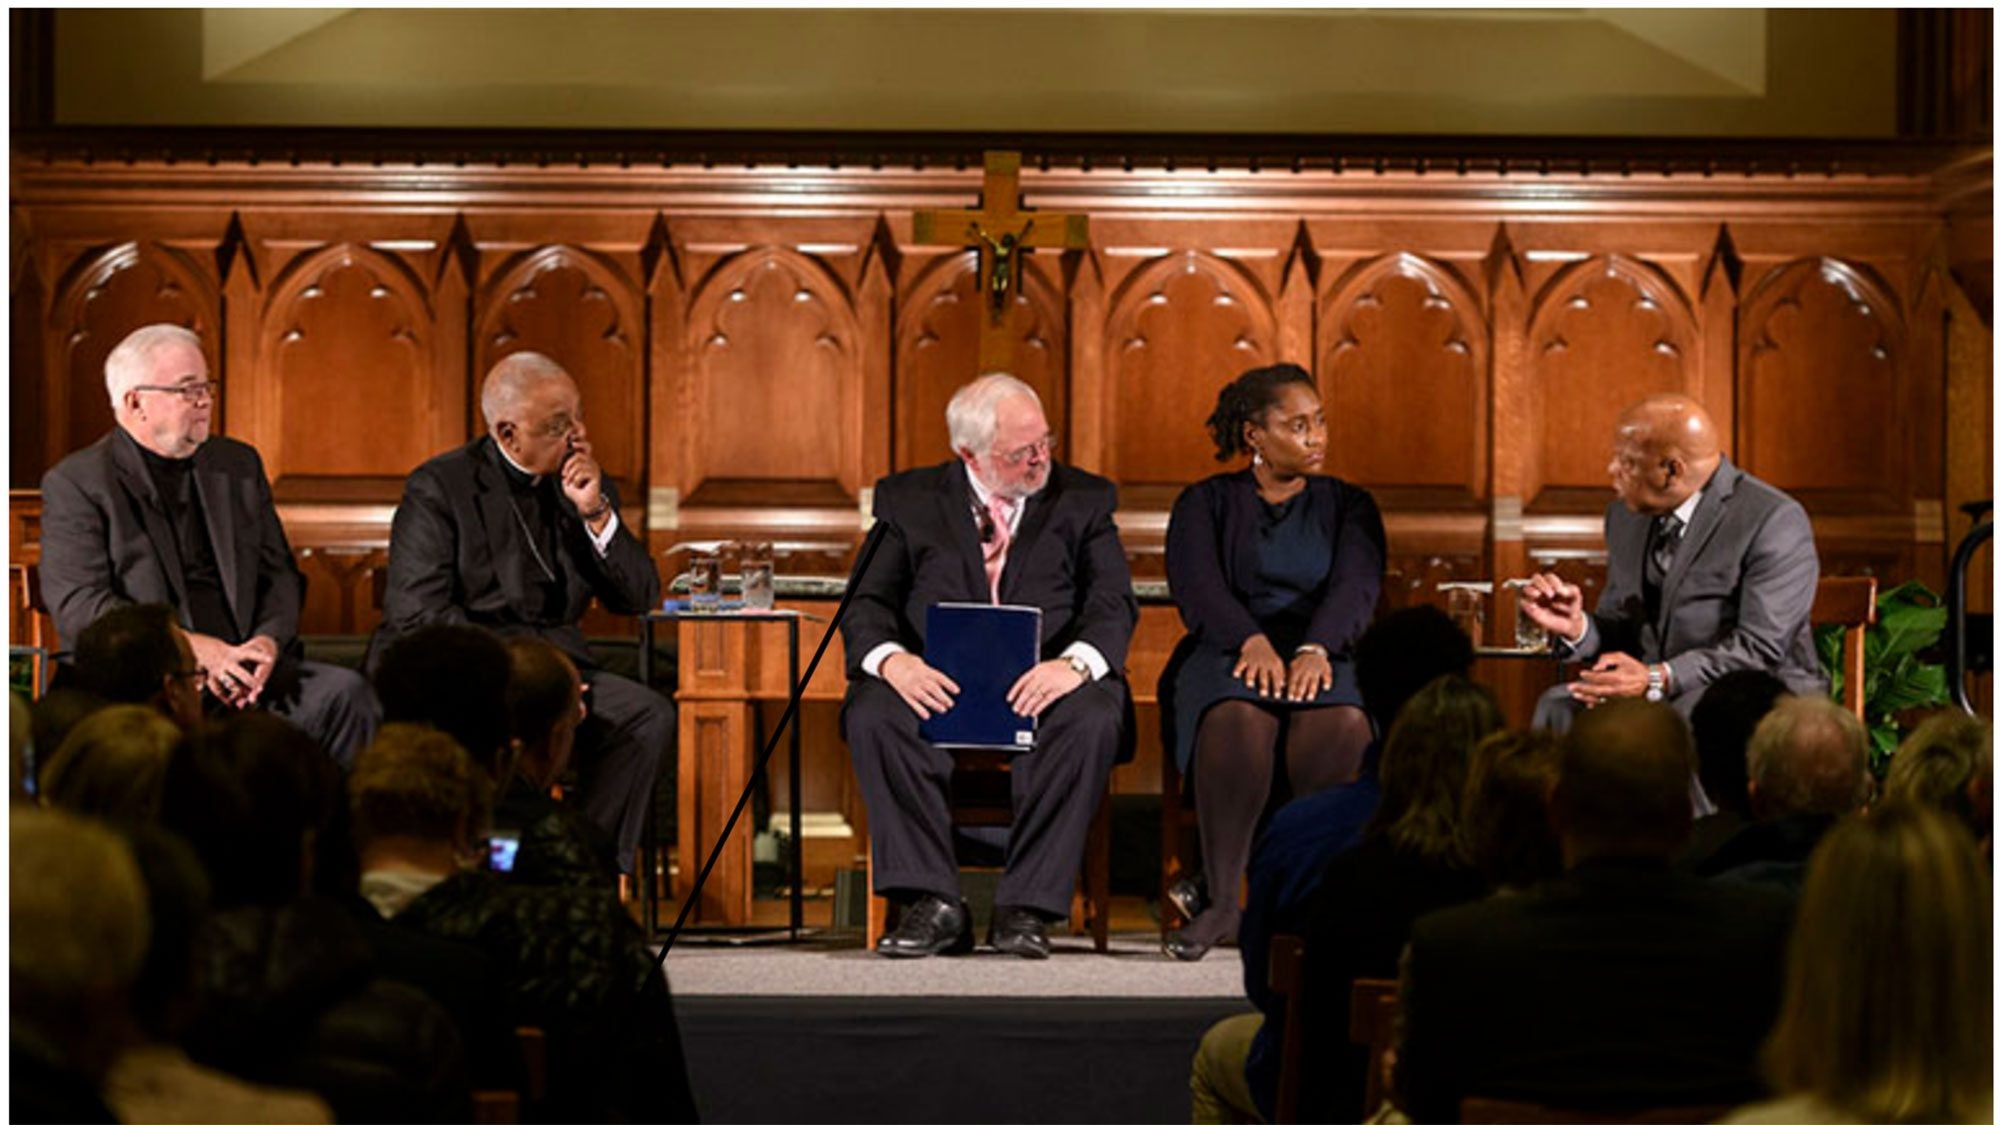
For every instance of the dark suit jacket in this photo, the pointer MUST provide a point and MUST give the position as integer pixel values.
(106, 541)
(1212, 556)
(1620, 985)
(1739, 595)
(1065, 558)
(457, 556)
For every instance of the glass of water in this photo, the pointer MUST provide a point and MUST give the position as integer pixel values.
(1528, 636)
(758, 589)
(705, 582)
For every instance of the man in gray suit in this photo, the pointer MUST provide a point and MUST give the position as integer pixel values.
(1710, 570)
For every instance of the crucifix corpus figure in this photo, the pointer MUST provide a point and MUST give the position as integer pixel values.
(1003, 233)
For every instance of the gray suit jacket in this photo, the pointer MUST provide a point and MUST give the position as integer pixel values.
(106, 541)
(1739, 594)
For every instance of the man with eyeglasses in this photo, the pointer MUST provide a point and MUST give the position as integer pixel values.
(1001, 523)
(160, 511)
(516, 533)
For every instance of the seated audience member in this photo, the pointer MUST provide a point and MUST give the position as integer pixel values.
(454, 678)
(575, 964)
(1722, 722)
(114, 765)
(1888, 1009)
(153, 1080)
(1393, 660)
(558, 844)
(1622, 984)
(51, 718)
(161, 511)
(77, 926)
(1947, 763)
(1507, 809)
(1411, 858)
(1808, 765)
(290, 996)
(1276, 568)
(136, 654)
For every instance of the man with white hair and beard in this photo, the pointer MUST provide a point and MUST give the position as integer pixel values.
(159, 511)
(1002, 523)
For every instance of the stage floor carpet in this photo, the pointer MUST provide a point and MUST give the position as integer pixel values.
(826, 1031)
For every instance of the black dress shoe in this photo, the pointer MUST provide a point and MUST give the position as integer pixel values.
(1020, 931)
(929, 925)
(1180, 947)
(1186, 897)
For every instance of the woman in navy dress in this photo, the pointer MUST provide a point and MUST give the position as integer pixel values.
(1276, 570)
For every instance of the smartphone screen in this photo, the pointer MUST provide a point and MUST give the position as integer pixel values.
(501, 848)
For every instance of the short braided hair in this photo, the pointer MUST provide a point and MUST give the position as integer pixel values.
(1245, 399)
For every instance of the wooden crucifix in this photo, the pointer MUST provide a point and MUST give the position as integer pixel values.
(1003, 232)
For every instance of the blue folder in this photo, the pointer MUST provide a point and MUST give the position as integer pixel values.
(984, 649)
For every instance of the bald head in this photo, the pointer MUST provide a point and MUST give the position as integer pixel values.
(1665, 450)
(533, 411)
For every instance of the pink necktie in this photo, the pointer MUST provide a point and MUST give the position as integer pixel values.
(1002, 511)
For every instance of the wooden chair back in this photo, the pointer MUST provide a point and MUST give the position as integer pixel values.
(1500, 1111)
(1288, 981)
(1371, 1022)
(496, 1107)
(1850, 604)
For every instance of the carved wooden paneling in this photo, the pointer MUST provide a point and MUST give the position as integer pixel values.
(1397, 331)
(588, 315)
(1821, 354)
(937, 349)
(103, 298)
(1178, 330)
(345, 378)
(776, 360)
(1603, 333)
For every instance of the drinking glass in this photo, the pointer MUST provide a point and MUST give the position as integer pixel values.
(705, 582)
(1467, 608)
(759, 591)
(1528, 636)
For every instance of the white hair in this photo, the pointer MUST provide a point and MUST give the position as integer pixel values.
(131, 362)
(1809, 755)
(974, 411)
(509, 381)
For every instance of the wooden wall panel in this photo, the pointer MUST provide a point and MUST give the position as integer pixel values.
(1399, 330)
(588, 314)
(1822, 354)
(937, 346)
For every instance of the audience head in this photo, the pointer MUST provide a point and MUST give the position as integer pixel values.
(533, 410)
(1664, 450)
(114, 765)
(157, 378)
(1729, 710)
(260, 801)
(1809, 756)
(1401, 653)
(453, 677)
(1424, 765)
(1272, 413)
(53, 716)
(545, 702)
(1947, 763)
(1507, 807)
(415, 784)
(165, 993)
(1622, 783)
(998, 429)
(77, 929)
(138, 654)
(1888, 1009)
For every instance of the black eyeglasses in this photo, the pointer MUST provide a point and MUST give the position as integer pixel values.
(190, 392)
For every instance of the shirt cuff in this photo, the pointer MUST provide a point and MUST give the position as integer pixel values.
(1093, 659)
(601, 540)
(872, 663)
(1580, 644)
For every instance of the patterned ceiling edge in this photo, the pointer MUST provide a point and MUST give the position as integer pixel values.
(1361, 154)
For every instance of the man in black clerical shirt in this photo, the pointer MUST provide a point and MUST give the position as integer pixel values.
(159, 511)
(516, 533)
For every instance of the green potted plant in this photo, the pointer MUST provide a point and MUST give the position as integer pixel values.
(1902, 674)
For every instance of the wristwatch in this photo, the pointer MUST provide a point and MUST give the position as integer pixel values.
(1656, 682)
(1077, 665)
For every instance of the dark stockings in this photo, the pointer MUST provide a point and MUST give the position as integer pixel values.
(1235, 756)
